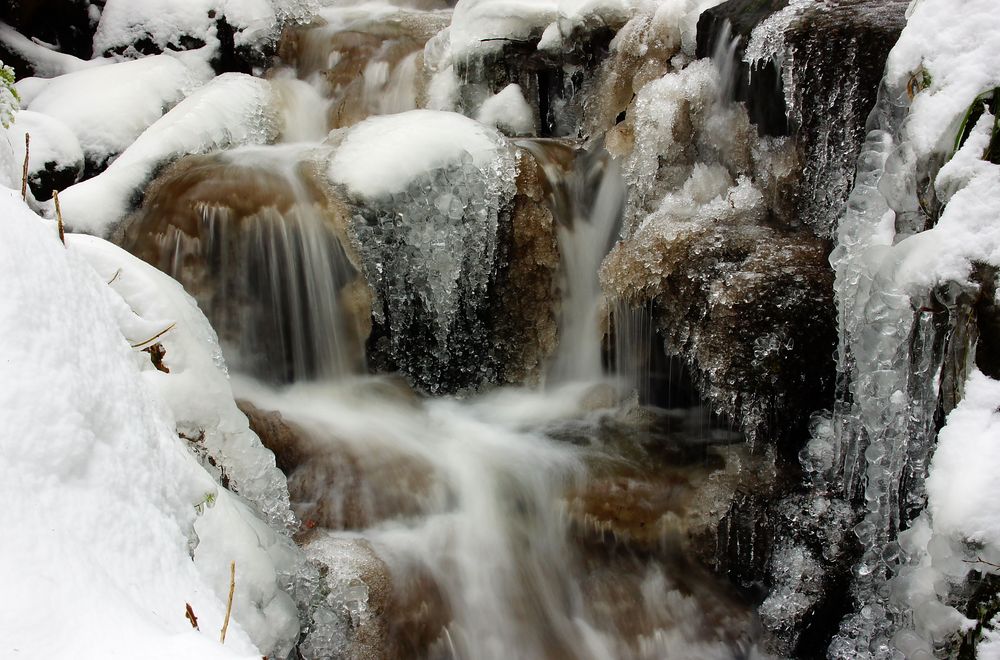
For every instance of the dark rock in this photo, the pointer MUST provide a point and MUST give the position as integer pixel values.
(552, 83)
(750, 308)
(53, 177)
(834, 54)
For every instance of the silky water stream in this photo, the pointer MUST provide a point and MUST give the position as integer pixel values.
(553, 521)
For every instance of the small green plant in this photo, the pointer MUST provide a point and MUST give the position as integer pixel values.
(10, 101)
(207, 502)
(989, 100)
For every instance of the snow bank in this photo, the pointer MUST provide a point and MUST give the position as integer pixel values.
(231, 110)
(108, 107)
(100, 495)
(382, 155)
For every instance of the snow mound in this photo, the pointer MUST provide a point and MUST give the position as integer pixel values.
(233, 109)
(382, 155)
(508, 111)
(184, 24)
(108, 107)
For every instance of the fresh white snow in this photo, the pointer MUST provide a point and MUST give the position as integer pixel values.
(383, 155)
(100, 493)
(233, 109)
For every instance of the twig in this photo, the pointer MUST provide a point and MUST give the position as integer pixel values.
(229, 605)
(156, 336)
(189, 613)
(59, 220)
(24, 172)
(980, 560)
(117, 273)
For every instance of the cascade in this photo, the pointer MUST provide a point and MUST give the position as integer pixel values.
(533, 304)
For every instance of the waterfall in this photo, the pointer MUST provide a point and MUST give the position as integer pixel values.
(587, 202)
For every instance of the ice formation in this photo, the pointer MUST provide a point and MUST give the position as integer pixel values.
(430, 191)
(906, 250)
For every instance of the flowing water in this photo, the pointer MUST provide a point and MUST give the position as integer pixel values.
(551, 522)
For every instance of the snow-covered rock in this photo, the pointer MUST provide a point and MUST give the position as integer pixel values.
(108, 107)
(231, 110)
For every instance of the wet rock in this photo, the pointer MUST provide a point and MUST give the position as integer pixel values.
(369, 64)
(526, 329)
(556, 82)
(751, 310)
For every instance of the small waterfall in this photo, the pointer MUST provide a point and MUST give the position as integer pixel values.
(587, 197)
(253, 240)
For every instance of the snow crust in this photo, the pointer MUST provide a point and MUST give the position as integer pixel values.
(383, 155)
(483, 25)
(233, 109)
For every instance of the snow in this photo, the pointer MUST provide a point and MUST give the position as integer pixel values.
(508, 111)
(963, 494)
(476, 22)
(165, 22)
(383, 155)
(231, 110)
(99, 493)
(961, 52)
(108, 107)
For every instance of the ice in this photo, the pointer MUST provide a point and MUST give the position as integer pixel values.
(430, 268)
(895, 276)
